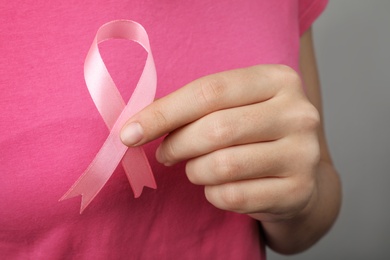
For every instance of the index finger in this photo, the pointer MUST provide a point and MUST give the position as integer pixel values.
(203, 96)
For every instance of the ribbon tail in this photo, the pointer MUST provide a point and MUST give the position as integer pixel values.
(138, 171)
(97, 174)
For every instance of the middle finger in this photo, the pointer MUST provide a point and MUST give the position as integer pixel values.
(253, 123)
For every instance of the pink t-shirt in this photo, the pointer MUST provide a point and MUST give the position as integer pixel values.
(50, 129)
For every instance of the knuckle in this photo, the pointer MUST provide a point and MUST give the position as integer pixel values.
(305, 118)
(312, 158)
(307, 156)
(313, 155)
(311, 118)
(287, 76)
(232, 198)
(225, 168)
(288, 73)
(303, 191)
(210, 92)
(307, 152)
(159, 119)
(220, 132)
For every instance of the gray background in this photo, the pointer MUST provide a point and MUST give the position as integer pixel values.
(353, 49)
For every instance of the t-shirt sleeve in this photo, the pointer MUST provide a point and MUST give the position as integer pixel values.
(309, 10)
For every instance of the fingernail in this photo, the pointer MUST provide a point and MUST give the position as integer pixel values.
(161, 159)
(132, 134)
(158, 155)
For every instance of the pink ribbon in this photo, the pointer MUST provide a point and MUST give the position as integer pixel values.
(115, 113)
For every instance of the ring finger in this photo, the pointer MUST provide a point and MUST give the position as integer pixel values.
(236, 163)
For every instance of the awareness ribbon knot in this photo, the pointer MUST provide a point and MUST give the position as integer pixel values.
(115, 113)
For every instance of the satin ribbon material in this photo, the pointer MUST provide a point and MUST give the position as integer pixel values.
(115, 113)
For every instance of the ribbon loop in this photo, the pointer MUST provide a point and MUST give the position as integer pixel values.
(115, 112)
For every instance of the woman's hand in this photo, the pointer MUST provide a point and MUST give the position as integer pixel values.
(249, 136)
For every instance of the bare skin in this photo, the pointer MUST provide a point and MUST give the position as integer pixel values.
(255, 140)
